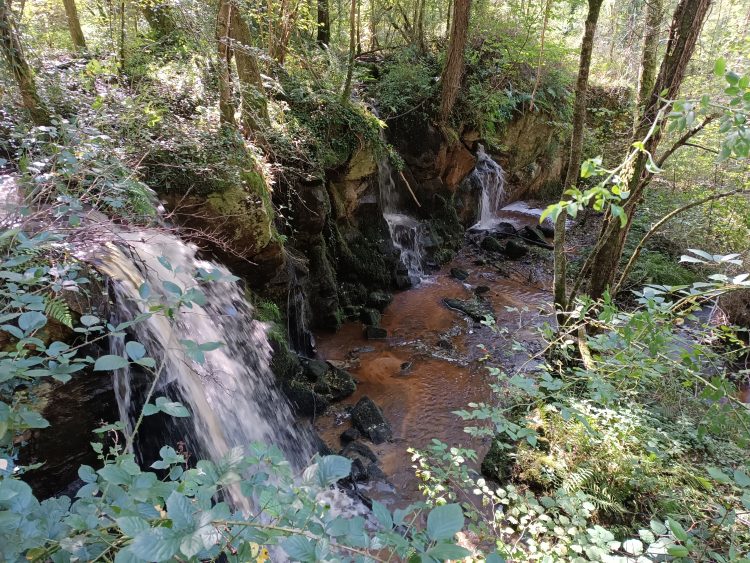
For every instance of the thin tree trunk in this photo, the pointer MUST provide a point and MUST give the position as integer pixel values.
(122, 35)
(647, 75)
(688, 20)
(454, 64)
(448, 18)
(74, 25)
(161, 19)
(252, 93)
(13, 53)
(576, 149)
(226, 107)
(352, 51)
(324, 23)
(373, 26)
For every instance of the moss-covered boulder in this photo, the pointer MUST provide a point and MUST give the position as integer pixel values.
(498, 463)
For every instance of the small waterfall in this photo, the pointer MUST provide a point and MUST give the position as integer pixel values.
(406, 231)
(488, 176)
(232, 395)
(301, 339)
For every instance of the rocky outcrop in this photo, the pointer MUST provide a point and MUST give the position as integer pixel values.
(369, 420)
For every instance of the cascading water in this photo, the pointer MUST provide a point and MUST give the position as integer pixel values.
(232, 394)
(406, 232)
(488, 176)
(301, 339)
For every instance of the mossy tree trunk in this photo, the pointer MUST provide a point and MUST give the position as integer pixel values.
(647, 75)
(576, 146)
(688, 20)
(346, 93)
(324, 23)
(74, 25)
(13, 53)
(234, 40)
(454, 64)
(161, 19)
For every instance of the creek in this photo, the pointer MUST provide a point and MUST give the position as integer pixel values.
(434, 360)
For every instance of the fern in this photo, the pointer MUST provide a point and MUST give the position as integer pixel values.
(58, 310)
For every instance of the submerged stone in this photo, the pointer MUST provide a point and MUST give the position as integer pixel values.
(477, 309)
(370, 317)
(515, 250)
(349, 435)
(379, 300)
(369, 419)
(491, 244)
(459, 274)
(503, 229)
(533, 235)
(375, 333)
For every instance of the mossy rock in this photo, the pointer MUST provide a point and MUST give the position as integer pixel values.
(498, 463)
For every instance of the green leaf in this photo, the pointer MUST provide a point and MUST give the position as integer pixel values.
(718, 475)
(446, 551)
(172, 408)
(677, 529)
(383, 515)
(157, 544)
(150, 409)
(720, 66)
(31, 320)
(87, 474)
(678, 551)
(132, 525)
(110, 362)
(331, 468)
(299, 548)
(741, 478)
(180, 510)
(443, 522)
(135, 350)
(633, 546)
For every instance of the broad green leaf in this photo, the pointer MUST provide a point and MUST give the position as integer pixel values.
(132, 525)
(383, 515)
(31, 320)
(156, 544)
(677, 529)
(135, 350)
(443, 522)
(331, 468)
(299, 548)
(720, 66)
(172, 408)
(110, 362)
(446, 551)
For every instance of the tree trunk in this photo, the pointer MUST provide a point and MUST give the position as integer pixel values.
(161, 19)
(352, 51)
(252, 93)
(647, 76)
(324, 23)
(576, 147)
(74, 25)
(454, 64)
(226, 107)
(373, 26)
(13, 53)
(688, 20)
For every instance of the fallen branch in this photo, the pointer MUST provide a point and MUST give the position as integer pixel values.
(400, 173)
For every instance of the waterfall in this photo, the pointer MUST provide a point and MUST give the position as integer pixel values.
(232, 396)
(488, 176)
(301, 339)
(406, 232)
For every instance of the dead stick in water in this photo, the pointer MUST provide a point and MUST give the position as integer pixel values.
(409, 188)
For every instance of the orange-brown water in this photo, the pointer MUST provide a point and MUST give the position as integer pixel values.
(430, 365)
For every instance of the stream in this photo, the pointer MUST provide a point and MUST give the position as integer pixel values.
(434, 359)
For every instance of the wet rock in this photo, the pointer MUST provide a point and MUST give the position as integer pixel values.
(357, 449)
(477, 309)
(497, 464)
(375, 333)
(459, 274)
(374, 472)
(503, 229)
(480, 262)
(515, 250)
(532, 235)
(370, 317)
(405, 368)
(313, 385)
(352, 311)
(547, 228)
(445, 343)
(315, 370)
(358, 472)
(403, 281)
(369, 419)
(481, 289)
(379, 300)
(349, 435)
(491, 244)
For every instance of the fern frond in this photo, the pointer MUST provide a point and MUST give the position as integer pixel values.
(58, 310)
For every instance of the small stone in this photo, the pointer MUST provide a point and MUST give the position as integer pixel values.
(491, 244)
(379, 300)
(375, 333)
(358, 449)
(374, 472)
(445, 343)
(503, 229)
(370, 317)
(349, 435)
(481, 289)
(406, 367)
(314, 369)
(369, 419)
(358, 472)
(515, 250)
(459, 274)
